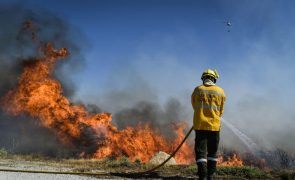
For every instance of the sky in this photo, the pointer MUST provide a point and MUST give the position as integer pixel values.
(158, 49)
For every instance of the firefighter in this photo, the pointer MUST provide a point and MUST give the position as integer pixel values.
(208, 104)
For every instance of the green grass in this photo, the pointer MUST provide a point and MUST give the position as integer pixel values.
(244, 171)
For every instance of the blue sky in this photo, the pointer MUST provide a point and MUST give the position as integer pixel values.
(157, 49)
(119, 31)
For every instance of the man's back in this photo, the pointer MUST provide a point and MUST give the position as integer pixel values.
(208, 104)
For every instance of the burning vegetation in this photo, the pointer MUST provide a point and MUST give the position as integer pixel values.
(39, 95)
(233, 160)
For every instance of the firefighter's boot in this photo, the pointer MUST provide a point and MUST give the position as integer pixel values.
(202, 170)
(211, 168)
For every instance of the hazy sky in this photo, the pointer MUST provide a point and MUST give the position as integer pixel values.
(161, 47)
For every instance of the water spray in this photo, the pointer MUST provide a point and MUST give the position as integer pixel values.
(250, 144)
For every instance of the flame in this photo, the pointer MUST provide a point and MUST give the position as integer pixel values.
(40, 96)
(234, 160)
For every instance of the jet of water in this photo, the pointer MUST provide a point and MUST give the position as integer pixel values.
(250, 144)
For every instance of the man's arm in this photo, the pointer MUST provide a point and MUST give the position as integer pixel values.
(222, 104)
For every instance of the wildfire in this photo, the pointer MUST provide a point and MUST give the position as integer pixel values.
(234, 160)
(40, 96)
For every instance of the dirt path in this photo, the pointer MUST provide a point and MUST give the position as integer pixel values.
(33, 165)
(29, 176)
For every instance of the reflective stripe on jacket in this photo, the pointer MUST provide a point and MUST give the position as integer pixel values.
(208, 104)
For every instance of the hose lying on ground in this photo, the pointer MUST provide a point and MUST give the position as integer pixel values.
(102, 173)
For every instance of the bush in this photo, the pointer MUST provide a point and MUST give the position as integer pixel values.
(245, 171)
(138, 161)
(287, 175)
(123, 162)
(3, 152)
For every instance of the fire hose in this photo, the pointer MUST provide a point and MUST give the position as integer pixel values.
(103, 173)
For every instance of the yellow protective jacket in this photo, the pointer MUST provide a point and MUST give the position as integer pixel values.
(208, 104)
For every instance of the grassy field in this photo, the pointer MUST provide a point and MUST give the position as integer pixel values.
(119, 168)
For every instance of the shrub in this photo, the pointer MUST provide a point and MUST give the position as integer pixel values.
(3, 152)
(123, 162)
(245, 171)
(137, 161)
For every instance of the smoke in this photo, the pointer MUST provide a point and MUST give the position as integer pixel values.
(257, 74)
(23, 134)
(133, 100)
(255, 61)
(145, 112)
(258, 81)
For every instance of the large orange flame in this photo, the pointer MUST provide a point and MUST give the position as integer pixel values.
(39, 95)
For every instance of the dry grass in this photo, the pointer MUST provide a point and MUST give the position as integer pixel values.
(123, 165)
